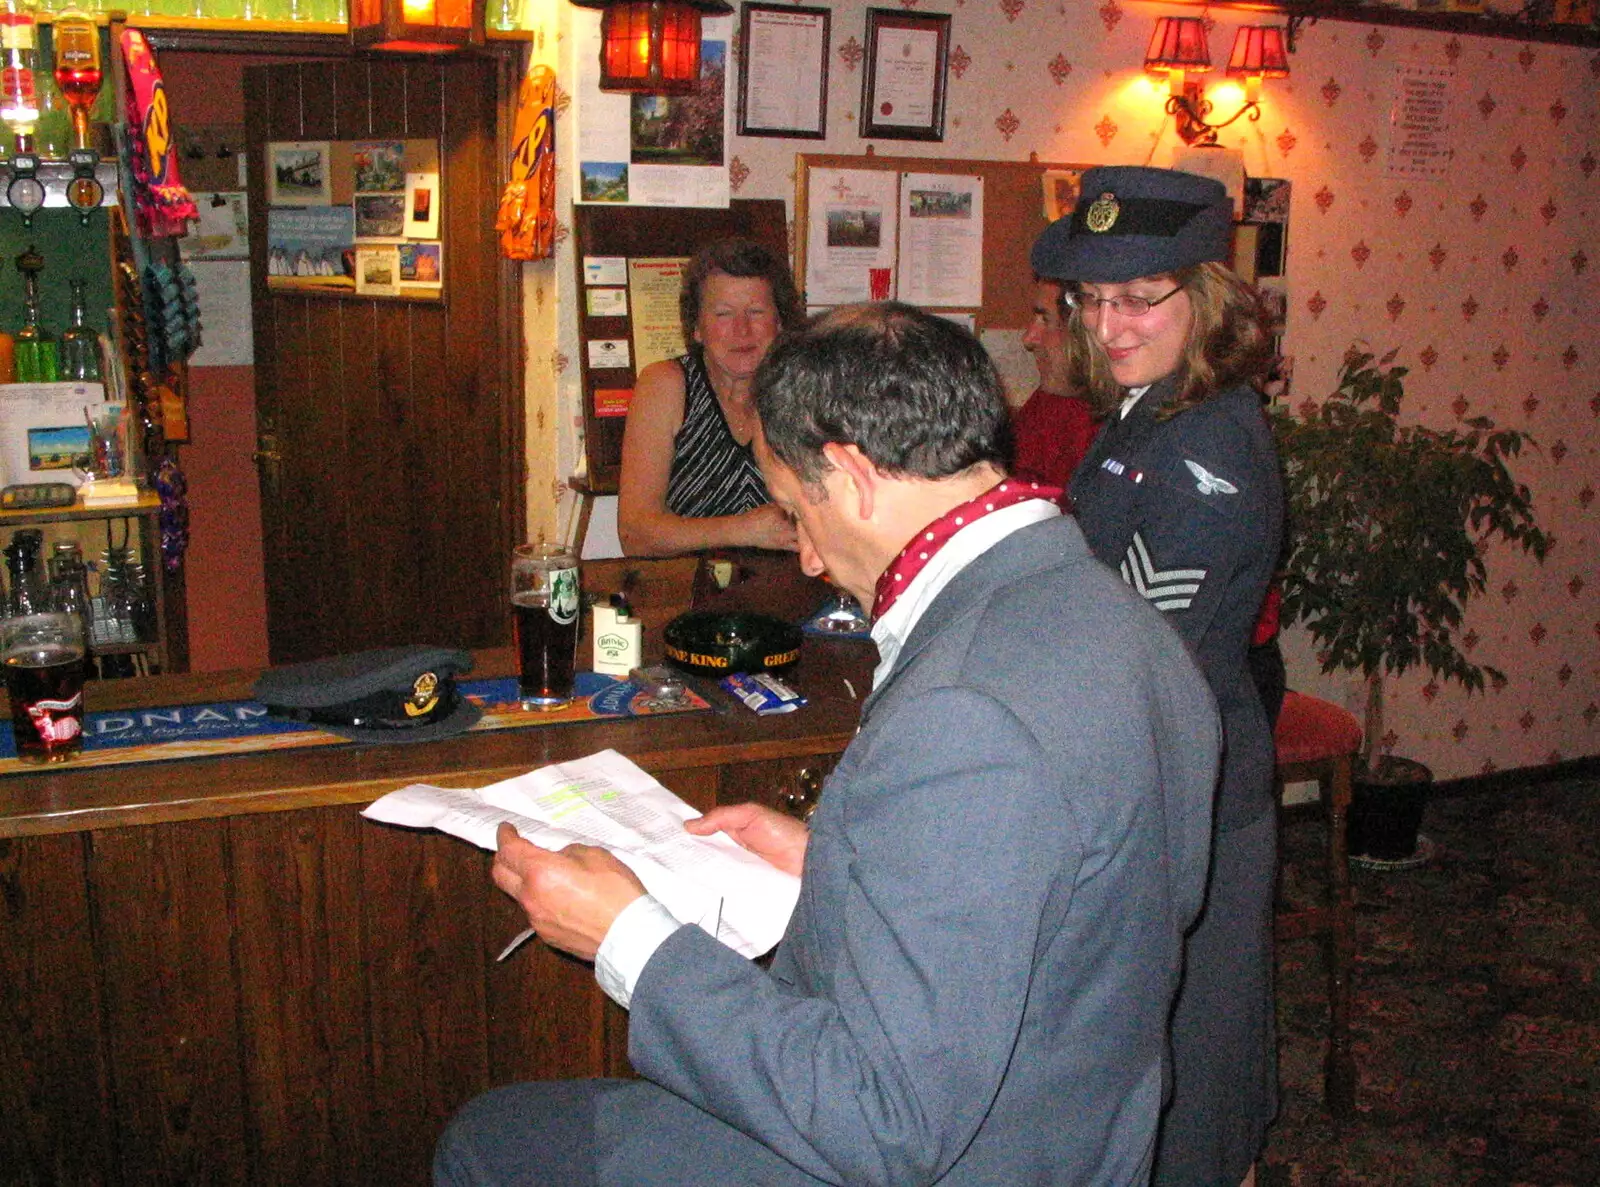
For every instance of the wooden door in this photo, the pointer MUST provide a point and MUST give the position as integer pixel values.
(390, 432)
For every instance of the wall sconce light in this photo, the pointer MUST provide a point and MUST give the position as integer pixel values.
(416, 26)
(651, 46)
(1178, 48)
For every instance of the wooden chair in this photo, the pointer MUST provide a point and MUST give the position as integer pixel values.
(1318, 741)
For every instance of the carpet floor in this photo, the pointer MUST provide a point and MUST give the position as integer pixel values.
(1476, 1023)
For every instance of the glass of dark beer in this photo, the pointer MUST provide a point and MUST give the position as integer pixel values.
(43, 655)
(544, 611)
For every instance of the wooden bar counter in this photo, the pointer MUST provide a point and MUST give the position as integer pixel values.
(214, 971)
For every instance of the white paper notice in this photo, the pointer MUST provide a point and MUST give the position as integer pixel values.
(224, 290)
(941, 240)
(1419, 121)
(907, 77)
(784, 50)
(850, 235)
(606, 800)
(651, 150)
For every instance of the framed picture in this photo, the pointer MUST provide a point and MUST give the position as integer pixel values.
(298, 173)
(1060, 192)
(903, 86)
(783, 71)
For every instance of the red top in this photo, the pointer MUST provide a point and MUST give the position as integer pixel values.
(1052, 433)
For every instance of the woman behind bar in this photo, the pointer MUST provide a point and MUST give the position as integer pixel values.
(1181, 492)
(689, 479)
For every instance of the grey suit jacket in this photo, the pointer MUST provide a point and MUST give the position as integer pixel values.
(975, 983)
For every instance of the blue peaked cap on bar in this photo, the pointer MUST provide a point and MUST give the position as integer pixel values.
(394, 694)
(1133, 221)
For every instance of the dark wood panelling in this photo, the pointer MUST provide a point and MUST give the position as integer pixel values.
(164, 935)
(55, 1120)
(423, 896)
(296, 878)
(395, 510)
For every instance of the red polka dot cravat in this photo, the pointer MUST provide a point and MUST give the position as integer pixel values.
(925, 545)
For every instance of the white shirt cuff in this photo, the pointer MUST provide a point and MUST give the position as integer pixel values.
(631, 941)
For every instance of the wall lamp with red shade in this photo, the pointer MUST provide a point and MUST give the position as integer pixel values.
(651, 46)
(1178, 49)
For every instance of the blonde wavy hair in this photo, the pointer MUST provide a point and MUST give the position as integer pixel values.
(1230, 342)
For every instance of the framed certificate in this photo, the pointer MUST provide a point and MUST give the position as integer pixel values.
(783, 71)
(903, 86)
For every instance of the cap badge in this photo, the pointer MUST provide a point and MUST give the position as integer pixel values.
(1102, 213)
(424, 695)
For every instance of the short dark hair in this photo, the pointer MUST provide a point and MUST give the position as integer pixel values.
(916, 393)
(747, 260)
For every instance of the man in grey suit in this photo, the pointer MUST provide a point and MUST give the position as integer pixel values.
(974, 986)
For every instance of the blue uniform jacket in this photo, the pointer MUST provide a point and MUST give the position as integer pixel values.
(1190, 511)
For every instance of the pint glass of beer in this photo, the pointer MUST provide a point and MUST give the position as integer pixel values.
(544, 611)
(43, 656)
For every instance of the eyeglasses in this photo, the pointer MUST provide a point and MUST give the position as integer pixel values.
(1126, 305)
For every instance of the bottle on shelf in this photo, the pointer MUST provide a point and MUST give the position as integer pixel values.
(33, 346)
(19, 99)
(78, 70)
(69, 583)
(52, 133)
(26, 592)
(78, 355)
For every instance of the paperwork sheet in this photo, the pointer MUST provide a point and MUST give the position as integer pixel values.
(606, 800)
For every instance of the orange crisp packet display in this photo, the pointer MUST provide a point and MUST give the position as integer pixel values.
(527, 216)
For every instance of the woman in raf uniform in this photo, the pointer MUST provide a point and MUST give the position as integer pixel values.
(689, 479)
(1181, 493)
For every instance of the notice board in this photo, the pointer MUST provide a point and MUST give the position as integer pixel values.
(627, 260)
(1015, 199)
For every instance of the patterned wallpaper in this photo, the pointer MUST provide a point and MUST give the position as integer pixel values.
(1484, 279)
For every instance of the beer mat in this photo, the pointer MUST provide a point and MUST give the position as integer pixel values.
(244, 727)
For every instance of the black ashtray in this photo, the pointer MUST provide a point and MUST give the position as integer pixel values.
(715, 643)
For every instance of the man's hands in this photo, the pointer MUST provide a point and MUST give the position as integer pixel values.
(571, 897)
(767, 526)
(778, 839)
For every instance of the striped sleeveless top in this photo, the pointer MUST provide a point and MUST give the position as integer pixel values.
(712, 474)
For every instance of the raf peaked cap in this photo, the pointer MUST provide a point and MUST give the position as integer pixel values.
(1134, 221)
(397, 694)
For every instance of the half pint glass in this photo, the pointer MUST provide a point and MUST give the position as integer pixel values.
(544, 611)
(43, 657)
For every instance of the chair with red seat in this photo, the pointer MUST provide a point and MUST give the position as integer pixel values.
(1318, 741)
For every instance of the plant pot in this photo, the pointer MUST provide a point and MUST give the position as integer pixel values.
(1386, 809)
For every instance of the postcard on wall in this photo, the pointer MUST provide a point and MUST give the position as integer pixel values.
(608, 353)
(380, 216)
(421, 264)
(850, 235)
(379, 166)
(422, 205)
(941, 240)
(298, 173)
(606, 302)
(652, 150)
(377, 270)
(605, 269)
(312, 248)
(223, 232)
(43, 430)
(657, 328)
(1060, 192)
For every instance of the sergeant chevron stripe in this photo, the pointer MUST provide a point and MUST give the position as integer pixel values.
(1165, 589)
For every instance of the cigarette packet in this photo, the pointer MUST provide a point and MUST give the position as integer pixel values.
(763, 693)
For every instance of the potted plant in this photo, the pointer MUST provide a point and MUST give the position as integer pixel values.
(1388, 527)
